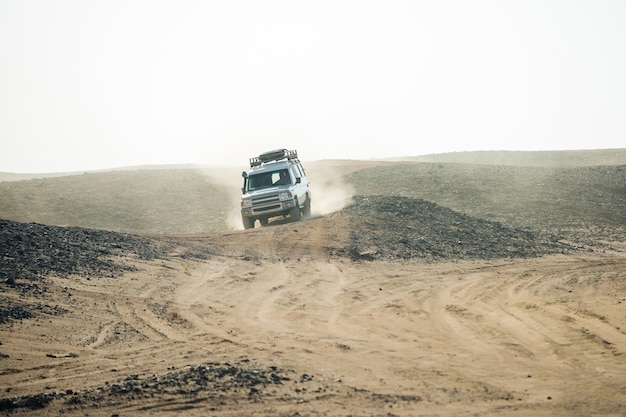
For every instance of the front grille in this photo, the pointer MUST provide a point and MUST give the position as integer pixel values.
(265, 203)
(266, 199)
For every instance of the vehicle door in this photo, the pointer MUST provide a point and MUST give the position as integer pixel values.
(300, 188)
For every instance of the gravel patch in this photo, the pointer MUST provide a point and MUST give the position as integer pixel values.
(391, 228)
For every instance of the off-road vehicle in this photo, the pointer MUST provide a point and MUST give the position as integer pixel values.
(276, 185)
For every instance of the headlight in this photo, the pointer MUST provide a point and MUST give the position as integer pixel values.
(246, 203)
(285, 196)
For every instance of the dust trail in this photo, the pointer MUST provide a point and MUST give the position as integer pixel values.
(329, 189)
(228, 177)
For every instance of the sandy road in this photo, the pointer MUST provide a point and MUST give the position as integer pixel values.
(526, 331)
(519, 337)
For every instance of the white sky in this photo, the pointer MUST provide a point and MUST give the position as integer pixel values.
(103, 84)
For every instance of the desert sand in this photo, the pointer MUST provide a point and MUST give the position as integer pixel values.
(323, 317)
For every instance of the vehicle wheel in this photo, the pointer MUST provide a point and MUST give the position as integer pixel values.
(263, 221)
(295, 213)
(306, 212)
(248, 222)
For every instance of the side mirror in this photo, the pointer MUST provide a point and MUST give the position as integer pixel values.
(244, 174)
(298, 180)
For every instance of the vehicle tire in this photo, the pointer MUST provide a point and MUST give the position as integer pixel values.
(306, 211)
(295, 213)
(248, 222)
(264, 221)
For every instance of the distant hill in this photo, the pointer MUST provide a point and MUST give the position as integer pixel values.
(139, 201)
(577, 158)
(553, 191)
(12, 176)
(555, 199)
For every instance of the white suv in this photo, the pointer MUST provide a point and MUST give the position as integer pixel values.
(276, 185)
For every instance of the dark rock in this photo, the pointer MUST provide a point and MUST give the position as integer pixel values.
(392, 227)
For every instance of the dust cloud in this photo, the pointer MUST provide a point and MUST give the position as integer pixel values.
(230, 179)
(330, 192)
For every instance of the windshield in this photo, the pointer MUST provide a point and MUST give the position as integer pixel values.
(268, 179)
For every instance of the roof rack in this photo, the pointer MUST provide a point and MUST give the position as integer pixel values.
(271, 156)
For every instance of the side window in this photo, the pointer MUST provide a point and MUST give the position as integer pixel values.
(297, 170)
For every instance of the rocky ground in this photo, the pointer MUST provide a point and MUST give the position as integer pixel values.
(382, 227)
(394, 305)
(390, 228)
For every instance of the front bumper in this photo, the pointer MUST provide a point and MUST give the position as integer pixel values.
(268, 209)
